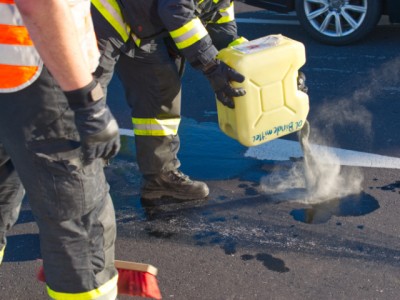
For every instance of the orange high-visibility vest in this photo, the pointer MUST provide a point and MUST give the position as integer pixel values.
(20, 64)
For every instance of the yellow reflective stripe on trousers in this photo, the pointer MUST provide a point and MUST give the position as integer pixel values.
(105, 289)
(190, 33)
(112, 13)
(227, 15)
(2, 254)
(155, 127)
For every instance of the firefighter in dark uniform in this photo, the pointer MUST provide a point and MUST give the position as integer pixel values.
(149, 41)
(55, 133)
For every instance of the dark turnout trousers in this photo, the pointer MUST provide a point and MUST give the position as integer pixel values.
(152, 87)
(40, 151)
(153, 91)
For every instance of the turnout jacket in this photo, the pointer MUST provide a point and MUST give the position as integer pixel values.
(197, 27)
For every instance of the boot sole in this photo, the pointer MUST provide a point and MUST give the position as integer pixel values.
(160, 194)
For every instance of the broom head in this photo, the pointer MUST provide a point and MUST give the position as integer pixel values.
(134, 279)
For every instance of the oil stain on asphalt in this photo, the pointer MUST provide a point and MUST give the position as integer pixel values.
(350, 206)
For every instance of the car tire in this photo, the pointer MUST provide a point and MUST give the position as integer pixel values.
(327, 21)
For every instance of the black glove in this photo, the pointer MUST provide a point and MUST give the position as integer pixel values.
(219, 75)
(301, 82)
(96, 125)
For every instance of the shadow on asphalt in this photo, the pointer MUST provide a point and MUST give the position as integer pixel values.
(23, 247)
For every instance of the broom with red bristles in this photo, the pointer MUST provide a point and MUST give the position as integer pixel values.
(134, 279)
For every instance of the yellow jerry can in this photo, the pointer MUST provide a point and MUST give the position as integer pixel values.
(273, 106)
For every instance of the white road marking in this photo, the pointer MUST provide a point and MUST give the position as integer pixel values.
(127, 132)
(281, 149)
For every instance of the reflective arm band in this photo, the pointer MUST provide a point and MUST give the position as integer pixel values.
(188, 34)
(227, 15)
(110, 10)
(155, 127)
(238, 41)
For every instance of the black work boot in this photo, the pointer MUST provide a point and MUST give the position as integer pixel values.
(173, 184)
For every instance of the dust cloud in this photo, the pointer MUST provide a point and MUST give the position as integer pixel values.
(351, 111)
(319, 176)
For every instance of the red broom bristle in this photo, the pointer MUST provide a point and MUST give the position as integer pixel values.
(136, 283)
(40, 275)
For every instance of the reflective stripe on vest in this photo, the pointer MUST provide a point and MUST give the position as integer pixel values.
(190, 33)
(155, 127)
(111, 11)
(20, 64)
(109, 288)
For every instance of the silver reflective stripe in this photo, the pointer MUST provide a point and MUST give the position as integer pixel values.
(9, 14)
(110, 295)
(227, 15)
(186, 35)
(155, 127)
(154, 130)
(19, 55)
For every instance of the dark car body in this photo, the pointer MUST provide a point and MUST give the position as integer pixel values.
(390, 8)
(282, 6)
(372, 10)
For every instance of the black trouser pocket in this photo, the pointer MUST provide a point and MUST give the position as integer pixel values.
(70, 190)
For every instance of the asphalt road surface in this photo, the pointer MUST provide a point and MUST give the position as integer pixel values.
(260, 235)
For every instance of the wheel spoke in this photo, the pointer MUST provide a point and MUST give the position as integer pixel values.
(359, 9)
(323, 2)
(338, 25)
(334, 18)
(353, 23)
(326, 22)
(317, 13)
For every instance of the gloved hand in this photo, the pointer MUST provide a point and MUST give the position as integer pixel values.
(301, 82)
(219, 75)
(96, 125)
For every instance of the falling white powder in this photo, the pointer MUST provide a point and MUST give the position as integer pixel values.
(318, 178)
(321, 177)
